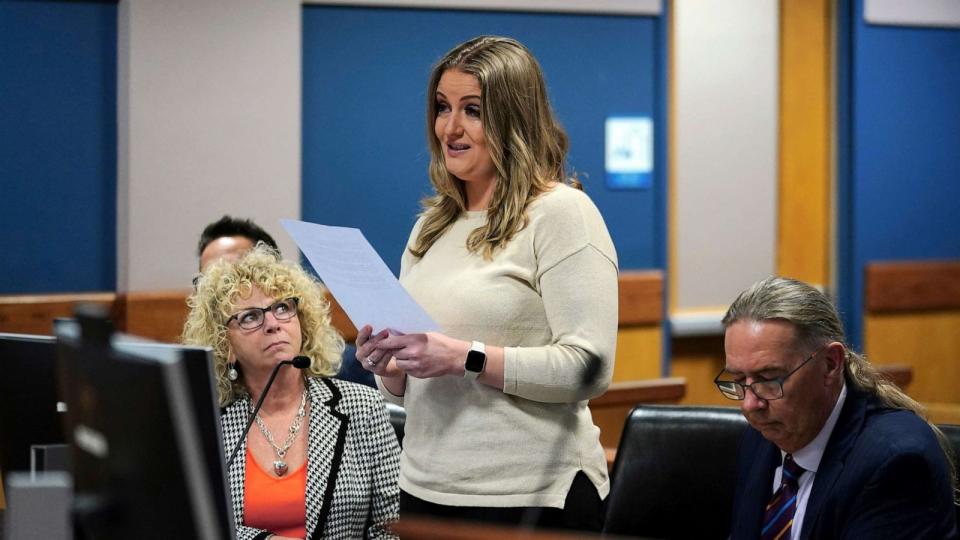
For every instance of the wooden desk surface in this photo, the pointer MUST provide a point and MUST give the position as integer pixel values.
(426, 528)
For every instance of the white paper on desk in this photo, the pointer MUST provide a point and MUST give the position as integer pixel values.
(358, 278)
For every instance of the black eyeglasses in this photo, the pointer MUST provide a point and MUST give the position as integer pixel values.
(253, 318)
(765, 390)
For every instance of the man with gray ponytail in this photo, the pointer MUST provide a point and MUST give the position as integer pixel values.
(834, 450)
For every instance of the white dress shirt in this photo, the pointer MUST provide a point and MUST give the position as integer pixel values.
(809, 458)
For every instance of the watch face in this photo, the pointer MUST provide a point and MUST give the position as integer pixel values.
(475, 361)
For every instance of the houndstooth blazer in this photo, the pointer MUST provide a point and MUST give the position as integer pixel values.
(352, 462)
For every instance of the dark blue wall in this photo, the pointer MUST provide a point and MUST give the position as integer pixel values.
(364, 140)
(58, 157)
(899, 149)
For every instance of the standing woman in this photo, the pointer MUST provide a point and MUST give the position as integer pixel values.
(516, 265)
(322, 458)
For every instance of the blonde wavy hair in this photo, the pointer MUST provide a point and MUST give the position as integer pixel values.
(817, 323)
(527, 144)
(224, 283)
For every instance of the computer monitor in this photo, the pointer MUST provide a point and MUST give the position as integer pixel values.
(201, 385)
(147, 451)
(30, 411)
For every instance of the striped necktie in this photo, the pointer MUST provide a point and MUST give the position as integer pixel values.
(778, 518)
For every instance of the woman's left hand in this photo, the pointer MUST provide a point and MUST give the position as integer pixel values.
(427, 355)
(371, 357)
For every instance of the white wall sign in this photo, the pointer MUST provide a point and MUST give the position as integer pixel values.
(629, 152)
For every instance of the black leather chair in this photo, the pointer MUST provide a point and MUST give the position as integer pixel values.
(953, 436)
(398, 416)
(952, 432)
(674, 473)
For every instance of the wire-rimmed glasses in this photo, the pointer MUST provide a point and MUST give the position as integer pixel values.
(766, 390)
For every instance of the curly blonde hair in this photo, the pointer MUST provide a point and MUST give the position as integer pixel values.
(224, 283)
(527, 144)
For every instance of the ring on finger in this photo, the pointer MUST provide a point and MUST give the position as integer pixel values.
(370, 362)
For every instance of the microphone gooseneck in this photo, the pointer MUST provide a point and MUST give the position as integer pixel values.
(299, 362)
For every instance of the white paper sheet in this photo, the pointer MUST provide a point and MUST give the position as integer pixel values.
(358, 278)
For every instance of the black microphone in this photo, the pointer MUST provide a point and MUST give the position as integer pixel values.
(299, 362)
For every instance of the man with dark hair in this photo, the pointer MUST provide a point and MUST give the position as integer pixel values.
(229, 238)
(833, 449)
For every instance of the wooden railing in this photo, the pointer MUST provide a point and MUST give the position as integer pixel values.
(912, 316)
(160, 315)
(912, 286)
(35, 313)
(157, 315)
(640, 297)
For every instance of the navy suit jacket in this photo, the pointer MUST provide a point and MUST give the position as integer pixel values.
(883, 475)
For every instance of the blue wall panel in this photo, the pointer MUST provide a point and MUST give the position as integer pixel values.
(902, 181)
(364, 141)
(58, 157)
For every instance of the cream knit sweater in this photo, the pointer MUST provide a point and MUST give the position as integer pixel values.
(550, 298)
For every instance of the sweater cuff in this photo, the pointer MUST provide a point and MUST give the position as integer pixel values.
(510, 370)
(386, 393)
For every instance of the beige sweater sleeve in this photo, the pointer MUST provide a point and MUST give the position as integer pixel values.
(580, 300)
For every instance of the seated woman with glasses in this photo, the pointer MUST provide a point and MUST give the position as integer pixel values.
(323, 458)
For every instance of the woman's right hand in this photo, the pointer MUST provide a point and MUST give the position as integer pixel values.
(380, 362)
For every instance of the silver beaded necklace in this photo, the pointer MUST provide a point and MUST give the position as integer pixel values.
(280, 465)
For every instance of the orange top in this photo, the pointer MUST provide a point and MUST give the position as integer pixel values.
(275, 504)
